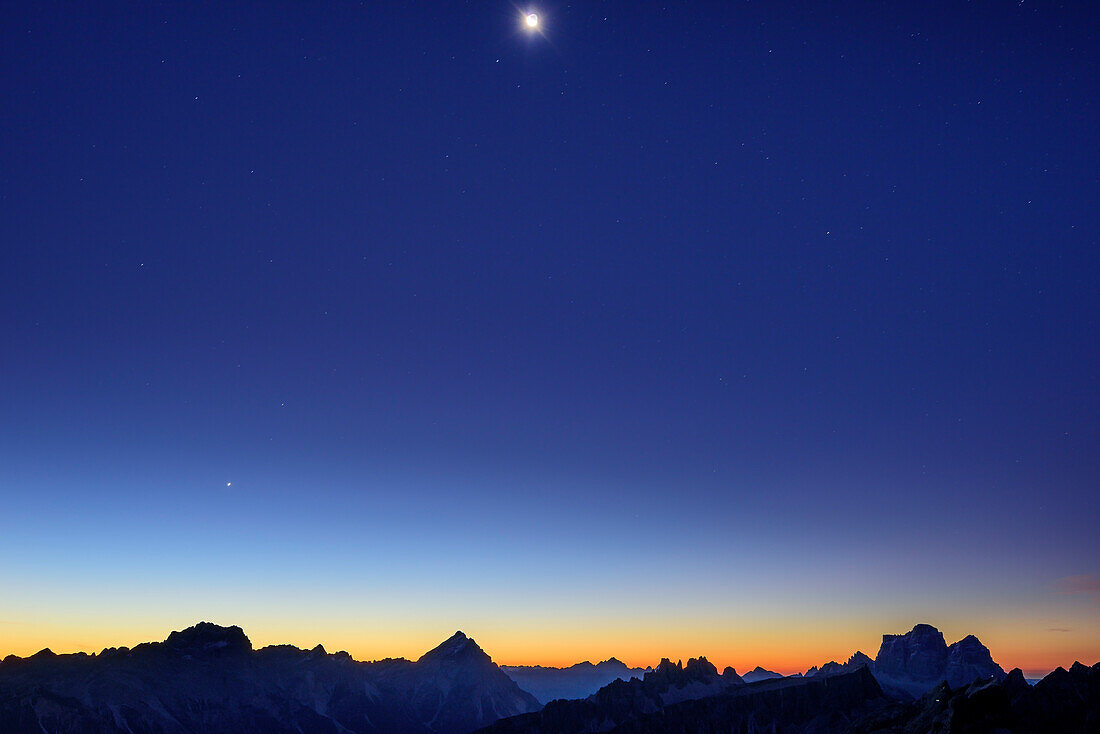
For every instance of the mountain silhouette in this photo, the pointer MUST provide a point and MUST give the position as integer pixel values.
(209, 679)
(918, 660)
(576, 681)
(622, 701)
(1065, 702)
(759, 673)
(772, 705)
(909, 665)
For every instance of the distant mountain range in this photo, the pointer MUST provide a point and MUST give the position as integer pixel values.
(576, 681)
(209, 679)
(758, 673)
(624, 701)
(916, 683)
(1065, 702)
(772, 705)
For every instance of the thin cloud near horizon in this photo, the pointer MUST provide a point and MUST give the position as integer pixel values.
(1086, 583)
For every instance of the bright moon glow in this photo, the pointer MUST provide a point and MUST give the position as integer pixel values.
(532, 20)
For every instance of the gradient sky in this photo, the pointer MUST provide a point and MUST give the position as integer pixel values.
(751, 329)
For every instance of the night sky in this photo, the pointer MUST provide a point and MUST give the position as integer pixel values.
(750, 329)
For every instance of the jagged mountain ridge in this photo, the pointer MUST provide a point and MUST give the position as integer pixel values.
(208, 678)
(774, 705)
(911, 664)
(666, 685)
(576, 681)
(1065, 702)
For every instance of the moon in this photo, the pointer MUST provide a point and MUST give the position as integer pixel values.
(532, 20)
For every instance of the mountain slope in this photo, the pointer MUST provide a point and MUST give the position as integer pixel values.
(208, 678)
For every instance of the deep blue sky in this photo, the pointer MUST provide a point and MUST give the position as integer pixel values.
(799, 290)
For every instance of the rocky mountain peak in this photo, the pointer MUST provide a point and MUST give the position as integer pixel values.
(730, 676)
(830, 668)
(206, 638)
(1015, 682)
(919, 654)
(700, 668)
(969, 660)
(666, 666)
(859, 659)
(922, 629)
(1079, 668)
(760, 673)
(679, 680)
(456, 649)
(920, 658)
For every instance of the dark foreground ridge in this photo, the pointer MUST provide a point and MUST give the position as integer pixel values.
(820, 704)
(209, 679)
(1065, 702)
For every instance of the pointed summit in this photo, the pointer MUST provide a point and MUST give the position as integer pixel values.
(759, 673)
(969, 660)
(458, 648)
(465, 672)
(1015, 682)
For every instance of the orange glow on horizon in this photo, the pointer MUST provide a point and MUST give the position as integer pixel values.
(784, 653)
